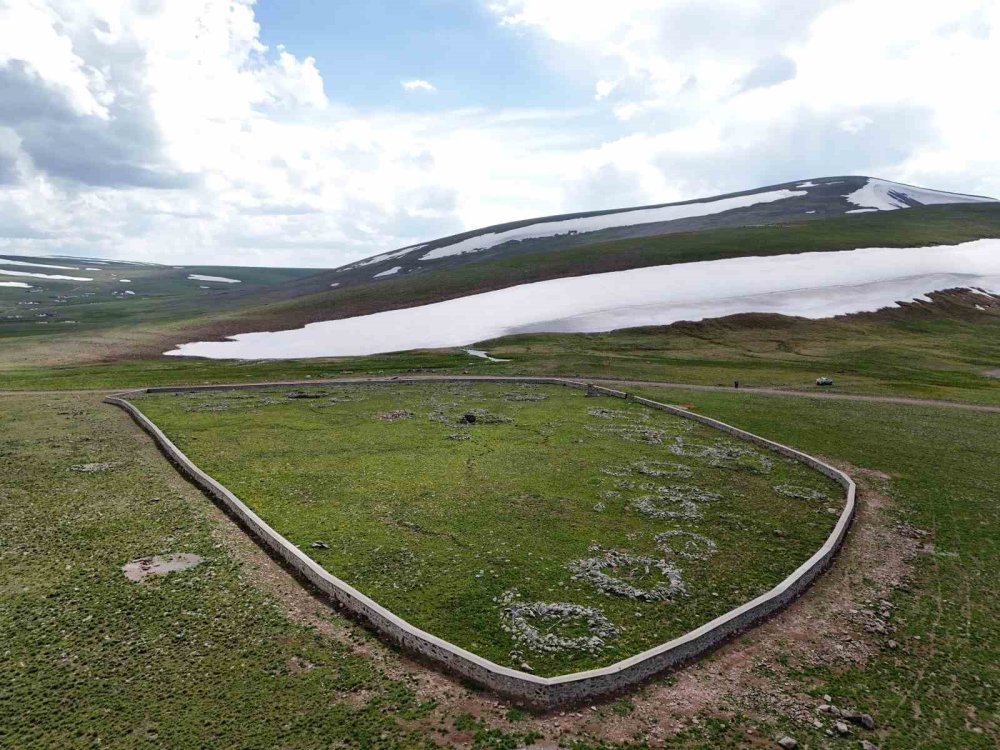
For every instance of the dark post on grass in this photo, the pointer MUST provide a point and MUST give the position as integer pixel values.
(736, 384)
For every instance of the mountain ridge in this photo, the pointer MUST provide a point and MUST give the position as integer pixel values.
(800, 200)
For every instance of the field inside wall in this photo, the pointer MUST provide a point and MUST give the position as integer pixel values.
(546, 539)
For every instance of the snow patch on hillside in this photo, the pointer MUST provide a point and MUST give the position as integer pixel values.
(383, 257)
(222, 279)
(585, 224)
(883, 195)
(390, 272)
(10, 262)
(812, 285)
(15, 284)
(47, 276)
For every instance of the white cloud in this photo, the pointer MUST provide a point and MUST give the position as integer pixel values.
(603, 89)
(168, 131)
(678, 64)
(418, 84)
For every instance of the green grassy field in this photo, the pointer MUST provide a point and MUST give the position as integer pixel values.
(214, 656)
(169, 309)
(54, 307)
(941, 687)
(942, 351)
(455, 527)
(233, 653)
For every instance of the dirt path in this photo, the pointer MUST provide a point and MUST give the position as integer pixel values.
(904, 400)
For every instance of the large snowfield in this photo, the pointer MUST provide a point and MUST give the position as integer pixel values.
(812, 285)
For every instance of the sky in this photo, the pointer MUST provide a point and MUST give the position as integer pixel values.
(314, 133)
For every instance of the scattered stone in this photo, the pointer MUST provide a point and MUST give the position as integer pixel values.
(518, 618)
(482, 416)
(593, 570)
(724, 454)
(320, 545)
(392, 416)
(687, 544)
(159, 565)
(866, 745)
(799, 492)
(297, 664)
(601, 411)
(91, 468)
(788, 743)
(632, 433)
(460, 436)
(842, 729)
(862, 720)
(675, 501)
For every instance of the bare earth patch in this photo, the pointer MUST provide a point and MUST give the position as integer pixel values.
(159, 565)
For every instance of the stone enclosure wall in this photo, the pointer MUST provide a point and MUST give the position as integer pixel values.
(538, 692)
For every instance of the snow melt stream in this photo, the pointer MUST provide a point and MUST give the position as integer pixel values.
(812, 285)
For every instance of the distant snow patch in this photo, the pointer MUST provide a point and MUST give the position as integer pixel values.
(15, 284)
(483, 355)
(334, 284)
(860, 210)
(125, 281)
(48, 276)
(390, 272)
(883, 195)
(383, 257)
(807, 184)
(9, 262)
(222, 279)
(608, 221)
(811, 285)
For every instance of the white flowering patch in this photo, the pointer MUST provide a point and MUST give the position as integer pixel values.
(799, 492)
(686, 544)
(624, 566)
(676, 501)
(724, 455)
(547, 626)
